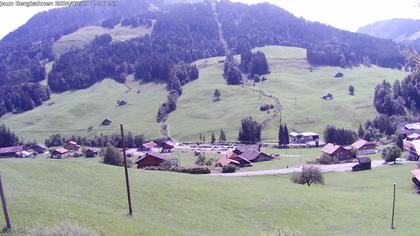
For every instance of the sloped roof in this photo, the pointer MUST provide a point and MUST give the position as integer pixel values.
(226, 161)
(363, 160)
(170, 143)
(309, 134)
(416, 145)
(248, 147)
(412, 126)
(152, 154)
(61, 150)
(413, 136)
(150, 145)
(359, 143)
(330, 148)
(416, 173)
(13, 149)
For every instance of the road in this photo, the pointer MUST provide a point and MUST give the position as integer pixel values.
(323, 168)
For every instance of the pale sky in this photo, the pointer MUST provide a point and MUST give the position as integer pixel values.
(343, 14)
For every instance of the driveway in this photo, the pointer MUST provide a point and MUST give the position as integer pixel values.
(323, 168)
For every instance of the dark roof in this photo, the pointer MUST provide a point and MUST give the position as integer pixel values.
(152, 154)
(13, 149)
(364, 160)
(250, 155)
(41, 146)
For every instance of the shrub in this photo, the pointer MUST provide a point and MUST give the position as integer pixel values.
(326, 159)
(197, 170)
(266, 107)
(309, 175)
(113, 156)
(63, 229)
(229, 168)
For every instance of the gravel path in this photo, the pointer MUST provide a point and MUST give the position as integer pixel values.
(323, 168)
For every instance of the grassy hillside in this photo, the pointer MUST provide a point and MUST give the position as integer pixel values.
(81, 109)
(86, 34)
(299, 91)
(45, 192)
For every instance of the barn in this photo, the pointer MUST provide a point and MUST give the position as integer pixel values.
(150, 159)
(365, 163)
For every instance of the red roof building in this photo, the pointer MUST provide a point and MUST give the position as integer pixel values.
(337, 151)
(59, 153)
(72, 146)
(234, 159)
(150, 159)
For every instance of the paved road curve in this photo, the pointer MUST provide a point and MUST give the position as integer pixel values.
(323, 168)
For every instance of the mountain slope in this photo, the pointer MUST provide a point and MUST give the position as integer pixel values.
(395, 29)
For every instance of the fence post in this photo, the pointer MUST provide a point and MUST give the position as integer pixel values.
(4, 204)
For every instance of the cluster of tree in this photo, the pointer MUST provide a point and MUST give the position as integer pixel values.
(250, 131)
(391, 154)
(112, 156)
(339, 136)
(388, 100)
(167, 107)
(101, 140)
(248, 26)
(184, 34)
(181, 74)
(130, 21)
(231, 71)
(7, 137)
(283, 135)
(22, 97)
(254, 63)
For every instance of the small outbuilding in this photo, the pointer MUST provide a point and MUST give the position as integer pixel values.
(72, 146)
(92, 152)
(327, 97)
(40, 148)
(365, 163)
(168, 146)
(59, 153)
(338, 75)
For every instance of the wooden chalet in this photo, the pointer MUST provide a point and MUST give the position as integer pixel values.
(150, 159)
(10, 151)
(72, 146)
(364, 163)
(337, 151)
(364, 147)
(40, 148)
(252, 153)
(59, 153)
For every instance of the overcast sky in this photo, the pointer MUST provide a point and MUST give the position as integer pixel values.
(343, 14)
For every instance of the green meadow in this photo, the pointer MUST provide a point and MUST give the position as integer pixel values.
(298, 90)
(43, 192)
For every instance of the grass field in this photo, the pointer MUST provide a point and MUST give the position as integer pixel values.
(75, 111)
(298, 89)
(86, 34)
(45, 192)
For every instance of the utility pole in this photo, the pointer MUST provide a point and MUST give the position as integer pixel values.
(4, 204)
(126, 172)
(393, 208)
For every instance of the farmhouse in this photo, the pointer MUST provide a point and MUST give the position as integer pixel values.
(414, 151)
(59, 153)
(72, 146)
(364, 147)
(150, 159)
(10, 151)
(92, 152)
(252, 153)
(337, 151)
(365, 163)
(40, 148)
